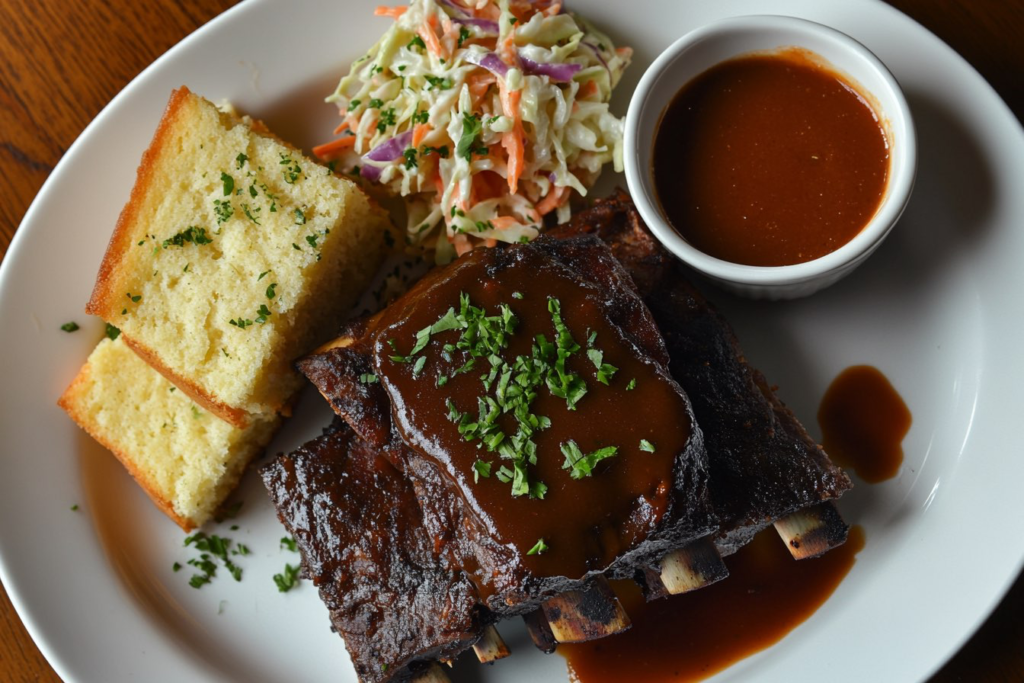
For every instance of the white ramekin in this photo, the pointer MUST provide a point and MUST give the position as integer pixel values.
(709, 45)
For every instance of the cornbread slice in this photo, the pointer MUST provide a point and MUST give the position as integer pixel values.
(234, 255)
(186, 459)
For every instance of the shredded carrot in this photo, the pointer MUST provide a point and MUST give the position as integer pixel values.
(513, 143)
(479, 81)
(462, 245)
(507, 50)
(553, 200)
(419, 132)
(331, 148)
(589, 89)
(426, 32)
(341, 126)
(490, 242)
(393, 12)
(504, 222)
(514, 140)
(486, 185)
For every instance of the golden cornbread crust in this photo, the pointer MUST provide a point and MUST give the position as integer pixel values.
(183, 275)
(69, 401)
(187, 460)
(235, 417)
(120, 240)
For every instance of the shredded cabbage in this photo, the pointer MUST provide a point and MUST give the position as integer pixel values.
(482, 115)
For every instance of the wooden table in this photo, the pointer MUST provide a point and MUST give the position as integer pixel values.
(61, 61)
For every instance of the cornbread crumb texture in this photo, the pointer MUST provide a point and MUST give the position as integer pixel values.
(234, 255)
(186, 459)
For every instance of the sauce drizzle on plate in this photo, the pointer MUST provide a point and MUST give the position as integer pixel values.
(863, 421)
(691, 637)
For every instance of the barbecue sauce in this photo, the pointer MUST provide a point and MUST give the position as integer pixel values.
(863, 421)
(585, 523)
(691, 637)
(770, 160)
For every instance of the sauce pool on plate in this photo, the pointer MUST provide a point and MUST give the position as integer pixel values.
(691, 637)
(770, 159)
(863, 421)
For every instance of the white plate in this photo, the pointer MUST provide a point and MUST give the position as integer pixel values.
(938, 309)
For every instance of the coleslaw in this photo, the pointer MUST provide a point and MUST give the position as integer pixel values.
(483, 115)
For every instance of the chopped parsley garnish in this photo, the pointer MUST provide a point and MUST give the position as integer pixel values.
(421, 116)
(240, 323)
(441, 151)
(416, 42)
(134, 299)
(74, 508)
(517, 295)
(112, 332)
(262, 275)
(410, 158)
(192, 234)
(211, 548)
(176, 566)
(353, 104)
(468, 145)
(196, 414)
(387, 118)
(604, 370)
(262, 314)
(463, 35)
(312, 240)
(580, 465)
(70, 327)
(632, 385)
(291, 171)
(300, 218)
(539, 549)
(368, 378)
(249, 213)
(561, 383)
(375, 103)
(270, 291)
(287, 579)
(288, 543)
(240, 160)
(223, 210)
(438, 82)
(646, 445)
(229, 183)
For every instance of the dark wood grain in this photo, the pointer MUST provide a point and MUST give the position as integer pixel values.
(61, 61)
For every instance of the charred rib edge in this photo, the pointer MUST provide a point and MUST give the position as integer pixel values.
(578, 616)
(814, 530)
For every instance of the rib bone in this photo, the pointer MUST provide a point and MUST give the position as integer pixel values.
(695, 566)
(432, 674)
(490, 648)
(578, 616)
(811, 531)
(540, 631)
